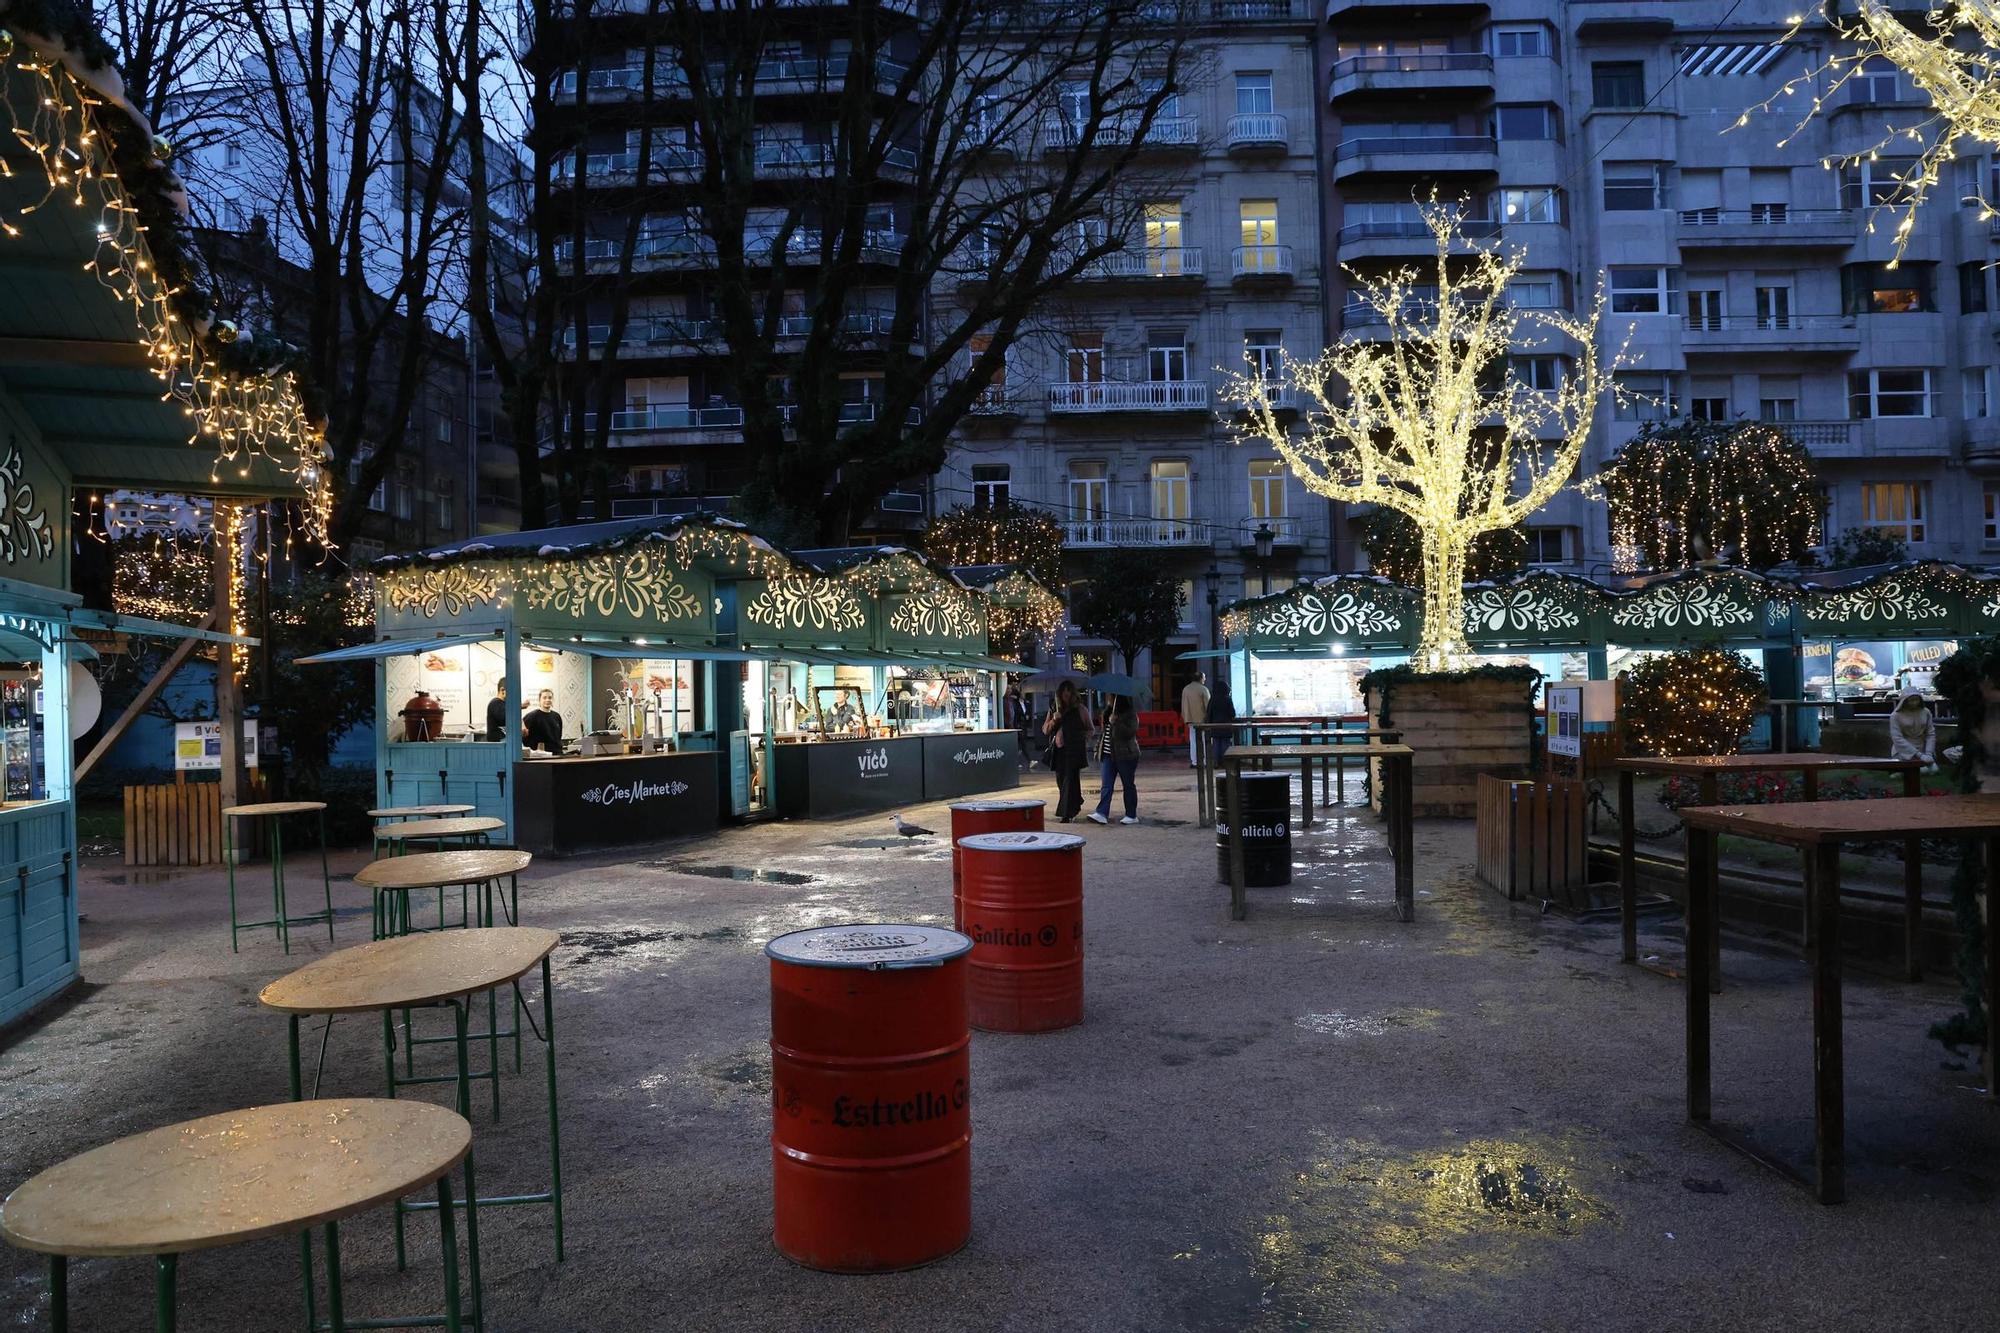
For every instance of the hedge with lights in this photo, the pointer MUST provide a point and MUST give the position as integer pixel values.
(1687, 491)
(1693, 701)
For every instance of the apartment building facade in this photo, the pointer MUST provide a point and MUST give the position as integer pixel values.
(1752, 279)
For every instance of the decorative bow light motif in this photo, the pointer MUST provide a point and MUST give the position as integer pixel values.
(1683, 605)
(642, 583)
(450, 588)
(801, 601)
(941, 613)
(1893, 598)
(1340, 613)
(24, 526)
(1494, 609)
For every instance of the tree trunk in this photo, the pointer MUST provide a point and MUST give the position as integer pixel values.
(1442, 645)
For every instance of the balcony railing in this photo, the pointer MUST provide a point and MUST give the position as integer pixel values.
(1267, 10)
(669, 418)
(1765, 323)
(1285, 531)
(1415, 62)
(995, 401)
(1279, 396)
(1167, 261)
(1261, 261)
(1129, 396)
(1771, 216)
(1368, 146)
(623, 167)
(1259, 129)
(664, 331)
(1817, 434)
(1132, 532)
(1413, 227)
(1164, 132)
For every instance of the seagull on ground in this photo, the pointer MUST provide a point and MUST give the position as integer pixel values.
(909, 830)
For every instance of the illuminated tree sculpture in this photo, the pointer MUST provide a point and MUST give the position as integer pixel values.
(1954, 61)
(1424, 414)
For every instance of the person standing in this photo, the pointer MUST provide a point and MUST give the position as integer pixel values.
(542, 725)
(1014, 715)
(1194, 710)
(1119, 750)
(1221, 708)
(1068, 730)
(496, 712)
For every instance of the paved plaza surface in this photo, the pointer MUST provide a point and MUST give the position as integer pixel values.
(1315, 1119)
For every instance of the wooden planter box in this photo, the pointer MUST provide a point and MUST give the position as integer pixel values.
(1459, 729)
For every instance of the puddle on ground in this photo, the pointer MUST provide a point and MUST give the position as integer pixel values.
(1361, 1223)
(742, 874)
(1337, 1024)
(597, 946)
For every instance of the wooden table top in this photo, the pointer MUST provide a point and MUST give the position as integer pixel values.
(237, 1176)
(1809, 823)
(1695, 764)
(1331, 722)
(440, 828)
(274, 808)
(420, 811)
(1369, 751)
(431, 870)
(410, 970)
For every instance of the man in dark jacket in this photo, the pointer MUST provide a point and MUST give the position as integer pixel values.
(496, 712)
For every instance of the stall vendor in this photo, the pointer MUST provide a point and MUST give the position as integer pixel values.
(496, 713)
(845, 714)
(542, 725)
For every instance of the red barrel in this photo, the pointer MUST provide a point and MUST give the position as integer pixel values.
(1023, 907)
(1014, 815)
(871, 1144)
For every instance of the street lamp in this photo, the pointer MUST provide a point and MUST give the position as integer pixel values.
(1265, 539)
(1214, 626)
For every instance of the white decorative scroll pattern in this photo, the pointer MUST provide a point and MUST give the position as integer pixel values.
(1683, 605)
(800, 601)
(940, 614)
(1312, 613)
(1894, 598)
(1991, 607)
(641, 583)
(450, 588)
(24, 527)
(1518, 609)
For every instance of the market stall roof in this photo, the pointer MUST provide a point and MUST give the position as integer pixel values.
(105, 339)
(561, 540)
(369, 652)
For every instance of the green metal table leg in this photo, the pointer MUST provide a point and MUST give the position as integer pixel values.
(59, 1293)
(336, 1306)
(460, 1009)
(325, 877)
(448, 1230)
(493, 1048)
(278, 880)
(305, 1237)
(164, 1274)
(389, 1059)
(555, 1127)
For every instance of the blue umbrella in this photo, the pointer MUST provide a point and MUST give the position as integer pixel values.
(1110, 682)
(1050, 679)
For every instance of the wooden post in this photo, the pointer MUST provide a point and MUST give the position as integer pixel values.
(228, 688)
(1829, 1069)
(1700, 866)
(1913, 893)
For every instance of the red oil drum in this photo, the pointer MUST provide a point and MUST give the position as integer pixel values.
(1022, 904)
(1013, 815)
(871, 1144)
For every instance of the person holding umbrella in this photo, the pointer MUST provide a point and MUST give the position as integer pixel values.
(1118, 748)
(1068, 730)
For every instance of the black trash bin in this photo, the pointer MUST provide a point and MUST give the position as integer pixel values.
(1267, 829)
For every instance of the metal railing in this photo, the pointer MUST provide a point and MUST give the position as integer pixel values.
(1416, 62)
(1817, 434)
(1132, 532)
(1129, 396)
(1414, 227)
(1164, 132)
(1777, 215)
(670, 418)
(1261, 261)
(1367, 146)
(1764, 323)
(1285, 530)
(1166, 261)
(1258, 128)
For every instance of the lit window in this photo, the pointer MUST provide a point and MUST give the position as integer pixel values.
(1898, 508)
(1267, 488)
(1877, 289)
(1514, 207)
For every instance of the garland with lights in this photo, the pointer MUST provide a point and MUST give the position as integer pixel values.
(1962, 81)
(1693, 701)
(1686, 492)
(1433, 420)
(97, 156)
(999, 534)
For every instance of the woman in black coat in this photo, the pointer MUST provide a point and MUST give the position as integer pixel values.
(1221, 708)
(1068, 730)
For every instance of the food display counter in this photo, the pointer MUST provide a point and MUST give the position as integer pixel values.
(823, 779)
(588, 803)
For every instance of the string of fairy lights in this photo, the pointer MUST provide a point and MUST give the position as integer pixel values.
(244, 417)
(1677, 498)
(1957, 66)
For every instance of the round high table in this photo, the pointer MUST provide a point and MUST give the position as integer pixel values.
(435, 968)
(392, 878)
(241, 1176)
(465, 831)
(275, 811)
(421, 811)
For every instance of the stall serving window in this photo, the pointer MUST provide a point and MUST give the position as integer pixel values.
(929, 700)
(21, 732)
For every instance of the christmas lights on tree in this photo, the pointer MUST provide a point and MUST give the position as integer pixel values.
(1431, 421)
(1696, 490)
(1694, 701)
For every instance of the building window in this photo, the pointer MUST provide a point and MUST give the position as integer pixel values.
(232, 154)
(1535, 291)
(1631, 187)
(1645, 397)
(1257, 222)
(1774, 306)
(1972, 288)
(1545, 546)
(1085, 362)
(1888, 393)
(1709, 408)
(1263, 355)
(1254, 96)
(445, 506)
(1645, 291)
(1877, 289)
(1167, 362)
(1875, 181)
(1267, 488)
(1877, 81)
(401, 499)
(1089, 499)
(1521, 41)
(1532, 205)
(1778, 400)
(1618, 83)
(1537, 374)
(1164, 236)
(1528, 120)
(1989, 534)
(1978, 384)
(1170, 489)
(1705, 308)
(992, 485)
(1900, 508)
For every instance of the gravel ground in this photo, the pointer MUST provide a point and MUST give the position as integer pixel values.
(1318, 1118)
